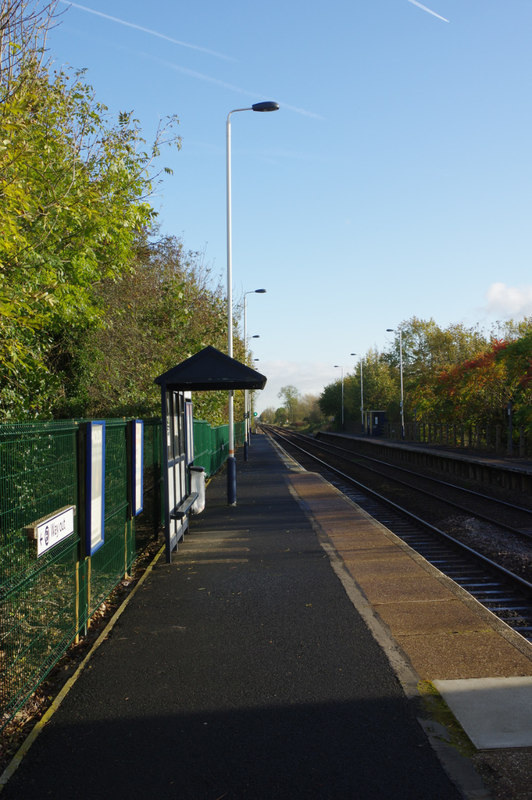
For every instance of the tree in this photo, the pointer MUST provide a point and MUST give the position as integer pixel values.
(156, 316)
(429, 350)
(291, 397)
(308, 409)
(281, 416)
(380, 389)
(73, 200)
(330, 400)
(267, 416)
(23, 28)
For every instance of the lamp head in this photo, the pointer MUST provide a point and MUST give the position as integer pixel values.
(266, 105)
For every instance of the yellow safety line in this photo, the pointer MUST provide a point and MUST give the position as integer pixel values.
(38, 727)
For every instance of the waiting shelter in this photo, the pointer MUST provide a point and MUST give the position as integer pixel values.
(207, 370)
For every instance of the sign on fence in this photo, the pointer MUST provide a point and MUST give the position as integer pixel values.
(49, 531)
(137, 471)
(95, 489)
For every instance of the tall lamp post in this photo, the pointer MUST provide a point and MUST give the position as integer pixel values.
(361, 392)
(247, 405)
(392, 330)
(231, 462)
(337, 366)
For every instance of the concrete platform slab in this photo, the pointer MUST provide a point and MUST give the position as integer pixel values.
(390, 589)
(467, 654)
(355, 540)
(439, 616)
(494, 712)
(384, 563)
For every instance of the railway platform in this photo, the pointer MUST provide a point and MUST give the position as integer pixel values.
(294, 648)
(477, 465)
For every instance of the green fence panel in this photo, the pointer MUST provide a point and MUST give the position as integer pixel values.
(240, 433)
(38, 596)
(202, 445)
(46, 601)
(219, 447)
(110, 563)
(148, 524)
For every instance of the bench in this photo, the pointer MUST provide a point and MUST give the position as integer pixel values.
(183, 508)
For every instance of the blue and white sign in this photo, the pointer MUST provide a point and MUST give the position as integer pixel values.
(49, 531)
(138, 466)
(95, 499)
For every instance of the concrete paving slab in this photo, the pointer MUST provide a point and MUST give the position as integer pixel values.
(439, 616)
(467, 654)
(494, 712)
(355, 538)
(389, 589)
(382, 563)
(355, 544)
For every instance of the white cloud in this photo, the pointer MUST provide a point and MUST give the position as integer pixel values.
(509, 301)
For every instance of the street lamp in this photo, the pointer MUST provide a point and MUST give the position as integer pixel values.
(337, 366)
(391, 330)
(247, 405)
(231, 463)
(361, 392)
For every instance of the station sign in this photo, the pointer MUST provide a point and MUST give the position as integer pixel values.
(49, 531)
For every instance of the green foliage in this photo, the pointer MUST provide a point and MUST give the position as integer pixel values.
(427, 351)
(268, 415)
(481, 388)
(297, 410)
(453, 375)
(73, 193)
(291, 398)
(379, 389)
(163, 311)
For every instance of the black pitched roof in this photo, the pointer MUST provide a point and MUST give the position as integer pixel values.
(208, 370)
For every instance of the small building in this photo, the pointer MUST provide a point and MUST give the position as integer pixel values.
(375, 422)
(207, 370)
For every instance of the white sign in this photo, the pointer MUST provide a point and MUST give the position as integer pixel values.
(52, 530)
(95, 485)
(138, 468)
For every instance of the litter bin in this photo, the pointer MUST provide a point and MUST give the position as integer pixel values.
(197, 484)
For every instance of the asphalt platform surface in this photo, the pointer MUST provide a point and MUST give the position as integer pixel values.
(240, 671)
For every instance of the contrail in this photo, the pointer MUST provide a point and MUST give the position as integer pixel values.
(231, 87)
(424, 8)
(148, 30)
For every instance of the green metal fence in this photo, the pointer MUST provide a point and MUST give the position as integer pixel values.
(47, 601)
(38, 474)
(211, 445)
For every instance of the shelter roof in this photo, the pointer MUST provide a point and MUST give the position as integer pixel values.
(209, 370)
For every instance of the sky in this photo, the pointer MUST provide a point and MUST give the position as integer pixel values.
(394, 181)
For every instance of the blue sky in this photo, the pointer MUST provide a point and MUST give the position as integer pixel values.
(395, 180)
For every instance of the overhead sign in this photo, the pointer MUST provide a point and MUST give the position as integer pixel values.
(49, 531)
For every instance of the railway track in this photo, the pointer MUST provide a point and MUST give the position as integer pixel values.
(493, 564)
